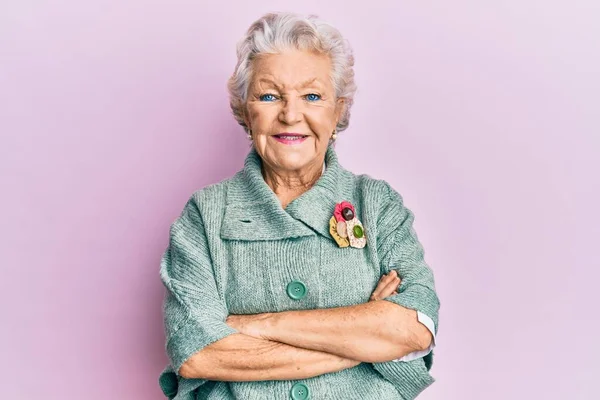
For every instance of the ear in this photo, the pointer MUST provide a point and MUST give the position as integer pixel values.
(245, 117)
(340, 106)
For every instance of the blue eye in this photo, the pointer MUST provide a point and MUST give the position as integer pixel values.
(267, 97)
(313, 97)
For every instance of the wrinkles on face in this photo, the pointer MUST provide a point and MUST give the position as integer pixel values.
(292, 92)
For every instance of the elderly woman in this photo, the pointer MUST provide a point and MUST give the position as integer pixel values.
(296, 278)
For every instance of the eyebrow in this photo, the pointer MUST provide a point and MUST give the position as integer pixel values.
(303, 84)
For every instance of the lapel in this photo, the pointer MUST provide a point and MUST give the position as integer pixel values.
(253, 211)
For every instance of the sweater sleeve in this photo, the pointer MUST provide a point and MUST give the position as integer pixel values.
(399, 248)
(194, 314)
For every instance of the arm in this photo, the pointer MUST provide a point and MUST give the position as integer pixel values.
(194, 314)
(244, 358)
(401, 250)
(428, 322)
(370, 332)
(387, 286)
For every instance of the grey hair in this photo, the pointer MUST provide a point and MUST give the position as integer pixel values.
(276, 32)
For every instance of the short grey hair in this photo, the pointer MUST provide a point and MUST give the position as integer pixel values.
(276, 32)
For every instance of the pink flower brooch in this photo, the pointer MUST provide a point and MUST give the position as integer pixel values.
(345, 228)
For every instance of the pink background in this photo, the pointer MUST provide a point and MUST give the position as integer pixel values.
(485, 116)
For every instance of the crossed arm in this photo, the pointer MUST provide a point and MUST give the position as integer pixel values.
(307, 343)
(261, 346)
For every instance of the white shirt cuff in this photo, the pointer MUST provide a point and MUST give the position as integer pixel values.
(428, 322)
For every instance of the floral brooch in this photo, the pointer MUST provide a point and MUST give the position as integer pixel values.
(345, 228)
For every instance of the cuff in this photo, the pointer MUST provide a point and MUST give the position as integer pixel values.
(409, 378)
(175, 387)
(192, 337)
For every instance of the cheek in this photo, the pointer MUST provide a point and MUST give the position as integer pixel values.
(321, 120)
(260, 115)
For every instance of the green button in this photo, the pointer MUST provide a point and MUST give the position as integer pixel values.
(296, 290)
(300, 392)
(358, 232)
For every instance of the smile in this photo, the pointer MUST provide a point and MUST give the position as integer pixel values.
(290, 139)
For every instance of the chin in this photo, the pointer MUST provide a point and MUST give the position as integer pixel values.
(292, 165)
(295, 161)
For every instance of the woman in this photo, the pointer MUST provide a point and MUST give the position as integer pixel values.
(274, 276)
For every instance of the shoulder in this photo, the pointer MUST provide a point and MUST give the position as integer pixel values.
(376, 193)
(212, 194)
(382, 205)
(207, 202)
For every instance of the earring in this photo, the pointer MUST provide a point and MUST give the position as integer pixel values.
(249, 135)
(334, 136)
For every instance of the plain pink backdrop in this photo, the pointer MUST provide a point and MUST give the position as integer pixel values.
(485, 116)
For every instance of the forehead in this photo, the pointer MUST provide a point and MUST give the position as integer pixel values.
(292, 69)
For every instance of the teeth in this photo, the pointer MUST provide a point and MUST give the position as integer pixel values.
(291, 137)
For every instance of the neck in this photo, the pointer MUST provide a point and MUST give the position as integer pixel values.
(289, 185)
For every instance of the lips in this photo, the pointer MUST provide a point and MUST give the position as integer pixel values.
(290, 136)
(290, 139)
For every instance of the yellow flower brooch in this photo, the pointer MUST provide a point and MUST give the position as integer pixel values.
(345, 228)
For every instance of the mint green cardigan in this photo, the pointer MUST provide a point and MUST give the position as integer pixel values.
(234, 250)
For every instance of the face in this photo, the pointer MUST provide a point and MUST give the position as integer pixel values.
(291, 93)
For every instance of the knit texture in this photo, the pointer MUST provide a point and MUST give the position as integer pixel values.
(234, 249)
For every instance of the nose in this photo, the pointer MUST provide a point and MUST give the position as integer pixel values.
(290, 112)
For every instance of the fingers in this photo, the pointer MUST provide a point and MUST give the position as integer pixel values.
(383, 281)
(387, 286)
(390, 287)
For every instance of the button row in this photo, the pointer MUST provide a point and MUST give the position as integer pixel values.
(297, 290)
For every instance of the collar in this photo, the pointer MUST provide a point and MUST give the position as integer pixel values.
(253, 211)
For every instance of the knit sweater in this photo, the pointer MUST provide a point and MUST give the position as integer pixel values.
(234, 250)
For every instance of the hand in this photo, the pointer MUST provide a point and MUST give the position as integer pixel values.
(251, 325)
(387, 286)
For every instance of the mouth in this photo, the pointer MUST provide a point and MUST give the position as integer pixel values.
(290, 138)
